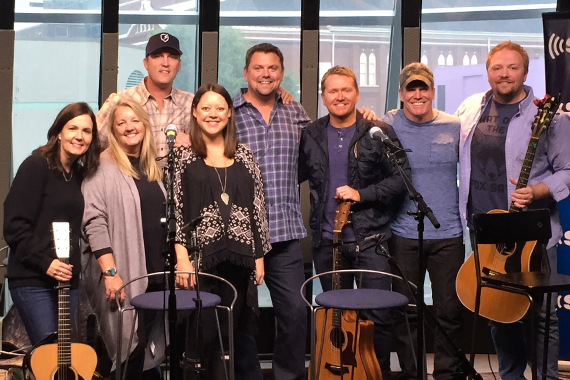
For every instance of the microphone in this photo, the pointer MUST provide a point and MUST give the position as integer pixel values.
(170, 131)
(377, 133)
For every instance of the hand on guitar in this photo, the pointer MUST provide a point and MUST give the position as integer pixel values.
(347, 193)
(112, 284)
(525, 195)
(59, 270)
(259, 271)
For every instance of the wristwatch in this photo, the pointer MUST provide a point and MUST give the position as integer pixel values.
(110, 272)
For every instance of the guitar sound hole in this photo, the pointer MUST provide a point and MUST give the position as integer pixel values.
(337, 337)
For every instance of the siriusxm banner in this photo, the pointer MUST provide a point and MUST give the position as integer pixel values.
(557, 66)
(564, 267)
(557, 55)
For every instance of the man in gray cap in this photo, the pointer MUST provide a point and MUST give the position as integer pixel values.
(433, 137)
(165, 104)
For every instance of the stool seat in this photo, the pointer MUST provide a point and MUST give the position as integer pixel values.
(361, 299)
(184, 300)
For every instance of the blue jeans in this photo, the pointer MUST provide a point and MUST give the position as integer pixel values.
(37, 307)
(444, 257)
(284, 276)
(513, 341)
(354, 258)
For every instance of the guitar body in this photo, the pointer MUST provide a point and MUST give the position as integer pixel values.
(44, 366)
(497, 305)
(339, 346)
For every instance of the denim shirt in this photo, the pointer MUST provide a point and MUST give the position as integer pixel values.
(551, 164)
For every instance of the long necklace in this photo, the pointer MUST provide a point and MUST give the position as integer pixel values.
(70, 175)
(225, 197)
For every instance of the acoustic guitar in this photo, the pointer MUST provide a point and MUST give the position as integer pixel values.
(348, 349)
(498, 305)
(63, 360)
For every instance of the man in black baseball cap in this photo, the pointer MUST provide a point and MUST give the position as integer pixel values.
(162, 41)
(165, 104)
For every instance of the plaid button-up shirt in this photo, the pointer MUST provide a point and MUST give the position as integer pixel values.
(176, 110)
(276, 149)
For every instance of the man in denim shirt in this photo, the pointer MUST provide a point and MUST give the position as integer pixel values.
(495, 131)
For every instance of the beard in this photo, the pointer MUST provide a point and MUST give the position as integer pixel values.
(509, 94)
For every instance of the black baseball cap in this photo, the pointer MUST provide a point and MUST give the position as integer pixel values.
(162, 40)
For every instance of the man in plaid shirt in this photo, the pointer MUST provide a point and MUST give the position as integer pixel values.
(165, 104)
(272, 130)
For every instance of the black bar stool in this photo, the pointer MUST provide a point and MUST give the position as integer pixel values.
(158, 301)
(349, 299)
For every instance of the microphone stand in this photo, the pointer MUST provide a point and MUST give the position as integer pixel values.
(170, 225)
(197, 363)
(422, 210)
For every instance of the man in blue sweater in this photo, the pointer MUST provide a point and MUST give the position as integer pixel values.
(433, 138)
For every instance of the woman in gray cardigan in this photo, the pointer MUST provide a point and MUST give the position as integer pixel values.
(123, 237)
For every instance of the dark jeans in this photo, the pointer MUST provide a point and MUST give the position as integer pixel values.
(284, 276)
(444, 258)
(353, 258)
(37, 307)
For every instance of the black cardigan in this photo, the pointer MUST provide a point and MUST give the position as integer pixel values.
(37, 198)
(246, 238)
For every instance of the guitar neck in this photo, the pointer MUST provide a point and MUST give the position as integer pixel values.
(63, 324)
(525, 169)
(337, 252)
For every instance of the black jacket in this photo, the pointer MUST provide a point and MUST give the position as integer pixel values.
(370, 172)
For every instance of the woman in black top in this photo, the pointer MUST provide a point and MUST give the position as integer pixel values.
(47, 189)
(218, 179)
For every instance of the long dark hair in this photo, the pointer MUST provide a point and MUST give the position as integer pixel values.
(229, 132)
(89, 160)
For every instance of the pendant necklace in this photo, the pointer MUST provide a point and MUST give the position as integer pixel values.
(225, 197)
(70, 175)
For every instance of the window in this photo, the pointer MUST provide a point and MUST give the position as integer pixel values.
(372, 69)
(363, 70)
(356, 34)
(56, 62)
(478, 26)
(148, 18)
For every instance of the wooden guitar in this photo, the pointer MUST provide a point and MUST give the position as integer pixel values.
(348, 349)
(63, 360)
(495, 304)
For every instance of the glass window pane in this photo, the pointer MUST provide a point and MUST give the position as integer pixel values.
(178, 19)
(236, 39)
(350, 33)
(245, 25)
(479, 25)
(55, 63)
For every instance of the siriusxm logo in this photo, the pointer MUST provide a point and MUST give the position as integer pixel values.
(556, 46)
(563, 302)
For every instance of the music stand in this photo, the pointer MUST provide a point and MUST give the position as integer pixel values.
(508, 228)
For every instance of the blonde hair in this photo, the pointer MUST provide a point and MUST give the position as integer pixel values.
(148, 164)
(508, 45)
(338, 70)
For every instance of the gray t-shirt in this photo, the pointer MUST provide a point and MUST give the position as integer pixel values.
(488, 186)
(433, 159)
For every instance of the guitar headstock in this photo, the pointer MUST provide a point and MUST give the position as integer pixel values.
(547, 108)
(61, 239)
(341, 217)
